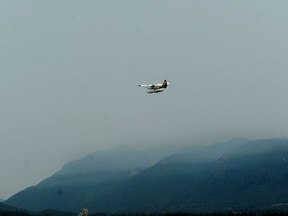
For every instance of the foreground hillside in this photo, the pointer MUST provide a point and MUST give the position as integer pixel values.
(232, 176)
(7, 208)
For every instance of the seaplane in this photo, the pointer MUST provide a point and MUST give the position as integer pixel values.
(155, 88)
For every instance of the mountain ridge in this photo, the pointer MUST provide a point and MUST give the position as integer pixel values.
(196, 180)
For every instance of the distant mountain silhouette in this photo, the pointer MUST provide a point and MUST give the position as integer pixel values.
(84, 178)
(7, 208)
(236, 175)
(251, 177)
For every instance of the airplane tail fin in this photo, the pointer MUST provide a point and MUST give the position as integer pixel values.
(165, 84)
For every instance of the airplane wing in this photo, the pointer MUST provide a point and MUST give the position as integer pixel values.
(146, 85)
(151, 86)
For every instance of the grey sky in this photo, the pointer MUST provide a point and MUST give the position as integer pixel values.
(69, 72)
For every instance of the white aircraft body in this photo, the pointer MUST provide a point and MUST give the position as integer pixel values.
(155, 88)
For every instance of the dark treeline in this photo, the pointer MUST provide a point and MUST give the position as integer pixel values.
(199, 214)
(9, 213)
(56, 213)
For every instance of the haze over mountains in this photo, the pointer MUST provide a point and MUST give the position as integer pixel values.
(234, 175)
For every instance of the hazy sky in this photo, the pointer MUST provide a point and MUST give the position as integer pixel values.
(69, 72)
